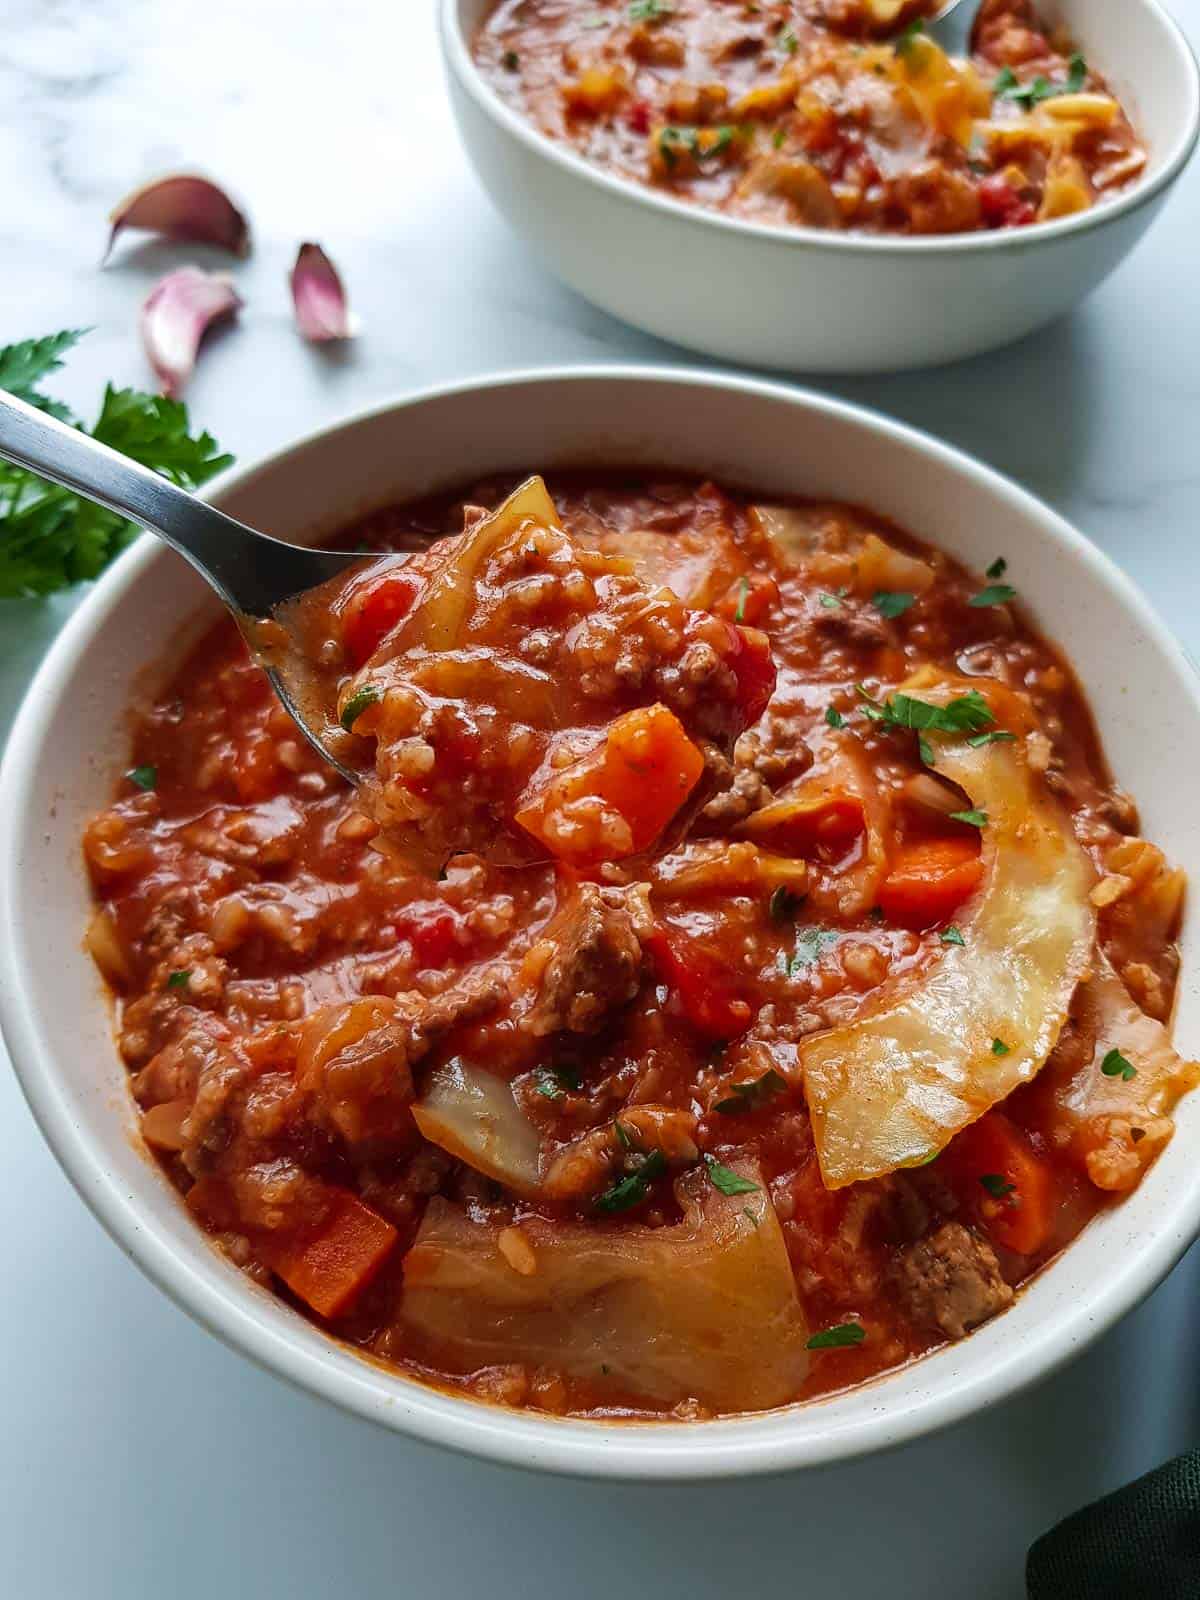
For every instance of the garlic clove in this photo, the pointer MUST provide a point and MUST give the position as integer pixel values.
(185, 206)
(319, 298)
(175, 317)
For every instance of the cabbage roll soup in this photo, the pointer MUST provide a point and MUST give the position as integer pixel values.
(820, 113)
(737, 974)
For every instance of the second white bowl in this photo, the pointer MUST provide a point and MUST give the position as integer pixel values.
(813, 300)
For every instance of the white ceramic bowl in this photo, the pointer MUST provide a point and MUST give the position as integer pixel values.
(69, 742)
(805, 299)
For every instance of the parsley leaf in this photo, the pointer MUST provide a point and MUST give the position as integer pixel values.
(51, 538)
(966, 713)
(1116, 1065)
(833, 602)
(746, 1096)
(743, 590)
(892, 603)
(356, 705)
(998, 736)
(784, 904)
(143, 777)
(24, 365)
(649, 10)
(997, 569)
(787, 41)
(974, 819)
(179, 980)
(846, 1333)
(1007, 86)
(726, 1180)
(997, 1186)
(907, 37)
(632, 1190)
(996, 594)
(834, 717)
(951, 935)
(553, 1082)
(999, 1048)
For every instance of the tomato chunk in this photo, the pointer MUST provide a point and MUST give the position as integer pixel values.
(329, 1270)
(1001, 206)
(702, 989)
(754, 669)
(749, 599)
(642, 773)
(930, 880)
(1003, 1182)
(372, 610)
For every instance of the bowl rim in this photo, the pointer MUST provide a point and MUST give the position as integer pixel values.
(460, 63)
(321, 1366)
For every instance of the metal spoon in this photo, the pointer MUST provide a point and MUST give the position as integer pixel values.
(951, 25)
(251, 573)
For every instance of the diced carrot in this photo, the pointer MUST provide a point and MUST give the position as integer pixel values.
(930, 880)
(333, 1266)
(643, 771)
(702, 989)
(372, 610)
(749, 599)
(986, 1159)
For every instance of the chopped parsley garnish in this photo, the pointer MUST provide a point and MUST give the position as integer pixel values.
(966, 713)
(180, 980)
(784, 904)
(632, 1190)
(743, 591)
(624, 1138)
(1115, 1065)
(746, 1096)
(892, 603)
(833, 602)
(996, 594)
(143, 777)
(787, 41)
(511, 60)
(810, 942)
(997, 736)
(777, 138)
(997, 1185)
(726, 1180)
(357, 704)
(997, 569)
(747, 1213)
(846, 1333)
(553, 1082)
(974, 819)
(672, 140)
(834, 717)
(925, 750)
(951, 935)
(999, 1048)
(1007, 86)
(649, 10)
(908, 36)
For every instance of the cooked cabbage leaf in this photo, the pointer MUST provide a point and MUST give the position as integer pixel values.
(1119, 1099)
(472, 1114)
(893, 1087)
(705, 1310)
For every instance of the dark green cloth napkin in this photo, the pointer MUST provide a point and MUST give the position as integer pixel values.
(1141, 1543)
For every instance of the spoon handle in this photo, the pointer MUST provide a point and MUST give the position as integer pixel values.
(250, 571)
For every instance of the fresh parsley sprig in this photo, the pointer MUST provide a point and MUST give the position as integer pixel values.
(51, 538)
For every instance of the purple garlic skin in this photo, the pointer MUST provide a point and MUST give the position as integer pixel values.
(177, 313)
(319, 298)
(186, 207)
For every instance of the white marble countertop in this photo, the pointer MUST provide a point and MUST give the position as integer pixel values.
(139, 1457)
